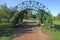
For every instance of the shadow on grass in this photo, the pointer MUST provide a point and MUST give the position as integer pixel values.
(57, 27)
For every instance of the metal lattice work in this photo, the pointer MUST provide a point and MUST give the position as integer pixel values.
(31, 4)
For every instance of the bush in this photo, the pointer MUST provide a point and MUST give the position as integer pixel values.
(5, 29)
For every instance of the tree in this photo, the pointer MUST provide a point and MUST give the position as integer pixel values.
(58, 17)
(3, 12)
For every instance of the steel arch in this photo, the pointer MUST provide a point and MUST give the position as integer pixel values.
(33, 5)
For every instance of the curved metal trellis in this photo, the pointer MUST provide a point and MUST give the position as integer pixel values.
(31, 4)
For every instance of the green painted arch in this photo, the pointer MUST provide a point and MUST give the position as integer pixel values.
(32, 5)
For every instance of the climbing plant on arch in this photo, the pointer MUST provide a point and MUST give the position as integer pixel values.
(43, 14)
(45, 18)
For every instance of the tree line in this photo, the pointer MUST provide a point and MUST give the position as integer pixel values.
(57, 18)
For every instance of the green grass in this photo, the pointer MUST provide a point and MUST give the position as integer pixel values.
(55, 35)
(5, 38)
(57, 22)
(34, 20)
(25, 20)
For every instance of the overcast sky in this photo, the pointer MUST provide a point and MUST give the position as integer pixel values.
(53, 5)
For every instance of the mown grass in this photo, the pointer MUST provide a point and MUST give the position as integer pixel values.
(57, 22)
(55, 34)
(35, 20)
(5, 38)
(25, 20)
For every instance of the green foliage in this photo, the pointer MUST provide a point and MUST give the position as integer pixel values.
(57, 18)
(54, 34)
(18, 17)
(45, 18)
(34, 16)
(5, 13)
(5, 38)
(29, 15)
(5, 31)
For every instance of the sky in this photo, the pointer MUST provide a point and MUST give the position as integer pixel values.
(52, 5)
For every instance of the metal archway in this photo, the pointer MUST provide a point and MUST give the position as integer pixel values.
(33, 5)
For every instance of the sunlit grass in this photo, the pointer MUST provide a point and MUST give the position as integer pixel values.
(55, 35)
(57, 22)
(25, 20)
(5, 38)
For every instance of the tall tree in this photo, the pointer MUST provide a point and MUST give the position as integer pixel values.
(3, 11)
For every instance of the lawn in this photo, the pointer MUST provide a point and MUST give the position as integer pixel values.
(55, 35)
(57, 22)
(5, 38)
